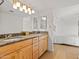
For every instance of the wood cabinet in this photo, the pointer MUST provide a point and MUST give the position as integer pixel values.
(43, 44)
(25, 53)
(40, 45)
(19, 50)
(35, 48)
(11, 56)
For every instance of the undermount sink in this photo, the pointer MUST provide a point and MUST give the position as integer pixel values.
(11, 39)
(5, 41)
(8, 39)
(19, 36)
(16, 37)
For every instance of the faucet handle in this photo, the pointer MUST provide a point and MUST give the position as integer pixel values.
(9, 35)
(5, 36)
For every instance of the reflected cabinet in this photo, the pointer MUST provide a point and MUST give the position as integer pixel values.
(40, 23)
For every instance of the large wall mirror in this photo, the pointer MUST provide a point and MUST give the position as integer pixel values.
(40, 23)
(10, 19)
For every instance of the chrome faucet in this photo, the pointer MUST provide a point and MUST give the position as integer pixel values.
(8, 36)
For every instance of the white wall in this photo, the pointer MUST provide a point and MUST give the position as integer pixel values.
(70, 10)
(67, 25)
(27, 24)
(67, 30)
(10, 23)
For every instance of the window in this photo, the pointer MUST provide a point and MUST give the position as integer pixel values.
(35, 23)
(43, 22)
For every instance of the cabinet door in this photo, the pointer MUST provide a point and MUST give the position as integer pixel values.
(26, 53)
(35, 51)
(35, 48)
(41, 47)
(43, 44)
(11, 56)
(35, 55)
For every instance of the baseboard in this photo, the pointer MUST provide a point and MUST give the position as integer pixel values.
(66, 44)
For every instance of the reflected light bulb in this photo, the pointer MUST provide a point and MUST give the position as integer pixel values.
(29, 9)
(14, 6)
(21, 9)
(26, 11)
(18, 4)
(30, 12)
(33, 11)
(24, 7)
(43, 18)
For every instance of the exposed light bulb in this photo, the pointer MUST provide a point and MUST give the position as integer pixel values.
(26, 11)
(24, 7)
(21, 9)
(18, 4)
(43, 18)
(29, 9)
(30, 12)
(33, 11)
(14, 6)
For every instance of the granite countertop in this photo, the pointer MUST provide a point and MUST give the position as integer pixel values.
(4, 42)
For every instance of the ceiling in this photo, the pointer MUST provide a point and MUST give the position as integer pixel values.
(61, 7)
(43, 5)
(51, 4)
(7, 7)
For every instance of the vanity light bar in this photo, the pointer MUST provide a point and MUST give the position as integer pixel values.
(22, 7)
(2, 1)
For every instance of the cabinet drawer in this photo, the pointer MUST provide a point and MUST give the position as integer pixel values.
(43, 37)
(35, 48)
(35, 55)
(36, 44)
(35, 40)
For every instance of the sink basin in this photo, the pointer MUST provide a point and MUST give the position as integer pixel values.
(18, 37)
(5, 41)
(8, 39)
(12, 39)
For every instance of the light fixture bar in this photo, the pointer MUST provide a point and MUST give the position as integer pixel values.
(23, 7)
